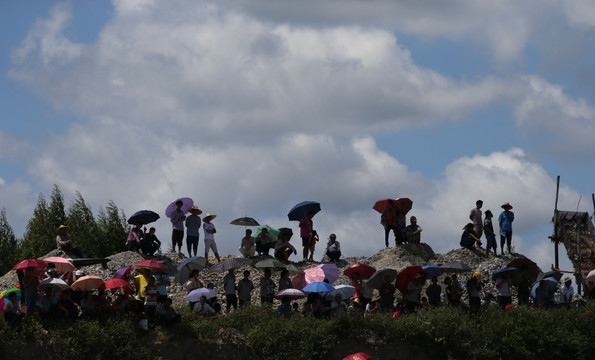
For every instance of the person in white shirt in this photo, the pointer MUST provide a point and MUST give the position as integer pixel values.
(333, 248)
(202, 307)
(210, 231)
(567, 292)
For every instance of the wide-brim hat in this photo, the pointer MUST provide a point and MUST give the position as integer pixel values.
(506, 206)
(196, 210)
(209, 217)
(62, 227)
(567, 279)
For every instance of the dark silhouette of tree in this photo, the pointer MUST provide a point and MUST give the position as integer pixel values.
(40, 235)
(9, 246)
(83, 231)
(113, 230)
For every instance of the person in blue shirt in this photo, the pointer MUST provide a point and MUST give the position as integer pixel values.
(505, 221)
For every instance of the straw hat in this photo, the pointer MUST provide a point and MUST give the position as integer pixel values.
(62, 227)
(506, 206)
(196, 210)
(209, 217)
(567, 279)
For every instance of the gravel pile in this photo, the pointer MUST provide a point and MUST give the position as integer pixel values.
(395, 258)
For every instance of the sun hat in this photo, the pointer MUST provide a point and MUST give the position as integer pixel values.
(567, 279)
(195, 209)
(62, 227)
(506, 205)
(209, 217)
(477, 274)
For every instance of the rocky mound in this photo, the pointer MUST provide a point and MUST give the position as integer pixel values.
(395, 258)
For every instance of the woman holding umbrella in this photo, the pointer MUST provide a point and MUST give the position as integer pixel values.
(135, 236)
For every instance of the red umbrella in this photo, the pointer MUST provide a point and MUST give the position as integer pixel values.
(358, 356)
(115, 283)
(364, 271)
(150, 264)
(406, 275)
(526, 267)
(299, 281)
(34, 263)
(401, 204)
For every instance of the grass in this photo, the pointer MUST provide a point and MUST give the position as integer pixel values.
(257, 333)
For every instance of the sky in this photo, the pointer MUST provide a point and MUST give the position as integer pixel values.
(252, 107)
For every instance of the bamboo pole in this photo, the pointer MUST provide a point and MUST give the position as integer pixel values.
(556, 261)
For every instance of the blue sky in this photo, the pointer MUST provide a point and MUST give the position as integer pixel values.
(249, 108)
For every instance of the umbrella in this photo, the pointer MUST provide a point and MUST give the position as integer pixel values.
(590, 277)
(329, 272)
(88, 282)
(150, 264)
(187, 203)
(455, 267)
(550, 274)
(299, 281)
(171, 269)
(269, 263)
(53, 282)
(432, 270)
(144, 217)
(115, 283)
(527, 268)
(302, 209)
(34, 263)
(358, 356)
(346, 291)
(229, 264)
(293, 294)
(245, 221)
(551, 285)
(407, 275)
(318, 287)
(272, 231)
(364, 271)
(62, 264)
(196, 294)
(401, 204)
(122, 272)
(507, 270)
(189, 265)
(4, 296)
(380, 277)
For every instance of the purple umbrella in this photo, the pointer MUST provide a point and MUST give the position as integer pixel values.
(187, 203)
(122, 272)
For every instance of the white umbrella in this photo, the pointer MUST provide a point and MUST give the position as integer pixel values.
(196, 294)
(53, 282)
(346, 291)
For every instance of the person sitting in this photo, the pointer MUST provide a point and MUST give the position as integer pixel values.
(264, 242)
(338, 306)
(68, 309)
(202, 307)
(474, 286)
(413, 232)
(284, 309)
(47, 302)
(64, 242)
(167, 314)
(283, 248)
(248, 245)
(135, 236)
(150, 243)
(333, 248)
(468, 238)
(12, 308)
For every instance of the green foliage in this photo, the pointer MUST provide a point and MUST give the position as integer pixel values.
(113, 230)
(9, 247)
(40, 235)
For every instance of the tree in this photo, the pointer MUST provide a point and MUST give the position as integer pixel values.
(113, 229)
(57, 215)
(9, 246)
(40, 235)
(83, 231)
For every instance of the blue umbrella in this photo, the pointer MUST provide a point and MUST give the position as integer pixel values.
(302, 209)
(551, 285)
(144, 217)
(508, 271)
(318, 287)
(432, 270)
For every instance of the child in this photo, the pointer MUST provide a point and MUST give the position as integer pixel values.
(488, 230)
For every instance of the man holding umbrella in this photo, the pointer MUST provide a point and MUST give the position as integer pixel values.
(177, 220)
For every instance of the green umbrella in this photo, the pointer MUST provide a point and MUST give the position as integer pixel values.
(272, 231)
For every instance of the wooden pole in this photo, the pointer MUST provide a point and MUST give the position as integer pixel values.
(556, 258)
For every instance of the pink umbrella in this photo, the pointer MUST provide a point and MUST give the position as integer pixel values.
(299, 281)
(150, 264)
(62, 264)
(187, 203)
(329, 272)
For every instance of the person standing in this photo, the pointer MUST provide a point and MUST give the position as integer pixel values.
(30, 283)
(267, 288)
(388, 219)
(210, 231)
(306, 232)
(475, 217)
(245, 287)
(503, 287)
(177, 218)
(505, 221)
(192, 226)
(229, 284)
(488, 229)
